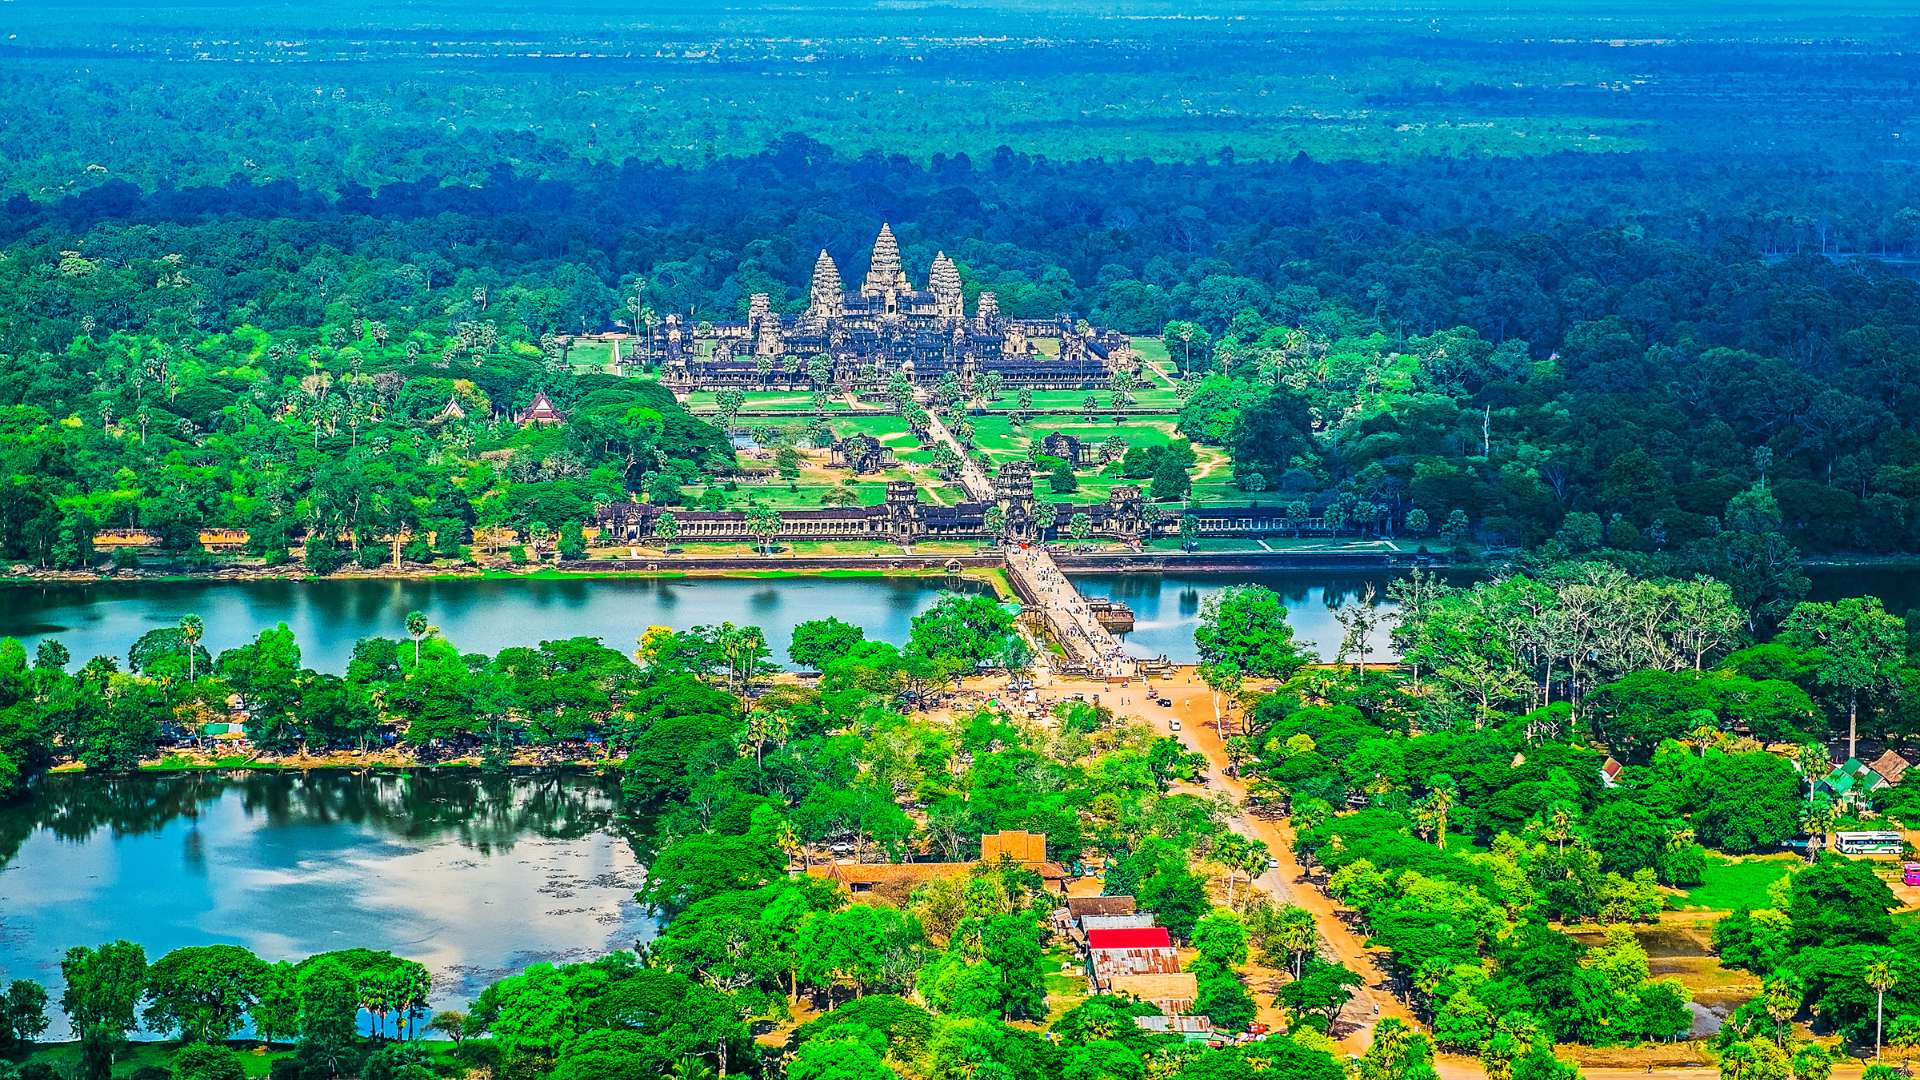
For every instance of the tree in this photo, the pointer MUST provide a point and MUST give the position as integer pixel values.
(1011, 948)
(23, 1015)
(1224, 999)
(1857, 644)
(1435, 808)
(418, 628)
(1705, 618)
(667, 528)
(867, 946)
(1080, 527)
(450, 1022)
(1170, 479)
(1220, 937)
(1189, 531)
(838, 1059)
(1223, 679)
(1045, 516)
(995, 522)
(1812, 1062)
(204, 1061)
(763, 522)
(819, 641)
(1246, 625)
(1359, 619)
(329, 1010)
(1839, 901)
(1323, 988)
(1398, 1052)
(968, 629)
(203, 992)
(1880, 977)
(192, 629)
(1284, 935)
(276, 1012)
(1061, 480)
(103, 991)
(1754, 1059)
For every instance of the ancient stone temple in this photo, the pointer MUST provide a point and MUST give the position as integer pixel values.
(883, 327)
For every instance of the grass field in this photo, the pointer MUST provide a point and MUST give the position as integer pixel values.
(590, 355)
(1003, 442)
(1076, 400)
(892, 431)
(802, 495)
(1217, 546)
(1732, 884)
(1153, 350)
(757, 400)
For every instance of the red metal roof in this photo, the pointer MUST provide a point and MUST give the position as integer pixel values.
(1142, 937)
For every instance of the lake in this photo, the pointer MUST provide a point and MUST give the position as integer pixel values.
(474, 876)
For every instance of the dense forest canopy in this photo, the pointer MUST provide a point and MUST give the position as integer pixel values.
(1513, 267)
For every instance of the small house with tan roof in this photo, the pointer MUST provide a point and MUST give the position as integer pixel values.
(1028, 850)
(1172, 993)
(1891, 767)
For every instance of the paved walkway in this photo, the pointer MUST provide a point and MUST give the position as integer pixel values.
(1068, 615)
(972, 476)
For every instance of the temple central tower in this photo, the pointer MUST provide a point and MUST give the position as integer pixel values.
(885, 275)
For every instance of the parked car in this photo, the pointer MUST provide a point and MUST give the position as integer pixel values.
(1173, 725)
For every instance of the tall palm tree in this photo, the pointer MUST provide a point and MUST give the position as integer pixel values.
(1298, 936)
(192, 629)
(417, 629)
(1781, 997)
(1882, 978)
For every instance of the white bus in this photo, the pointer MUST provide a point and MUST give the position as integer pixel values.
(1868, 843)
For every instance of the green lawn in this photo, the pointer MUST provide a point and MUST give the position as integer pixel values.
(776, 400)
(996, 434)
(590, 355)
(1151, 349)
(1732, 884)
(1075, 400)
(1217, 545)
(800, 496)
(890, 430)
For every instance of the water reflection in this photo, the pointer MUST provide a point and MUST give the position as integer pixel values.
(1166, 607)
(478, 616)
(486, 616)
(473, 876)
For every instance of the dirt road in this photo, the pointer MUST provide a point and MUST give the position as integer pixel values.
(1192, 706)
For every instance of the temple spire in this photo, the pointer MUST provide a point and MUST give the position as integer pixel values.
(944, 283)
(828, 298)
(885, 274)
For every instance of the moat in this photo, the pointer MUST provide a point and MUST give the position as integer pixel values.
(486, 615)
(480, 615)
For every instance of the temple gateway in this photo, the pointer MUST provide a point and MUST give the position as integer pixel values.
(863, 336)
